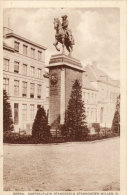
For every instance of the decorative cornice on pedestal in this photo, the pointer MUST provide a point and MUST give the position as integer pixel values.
(64, 60)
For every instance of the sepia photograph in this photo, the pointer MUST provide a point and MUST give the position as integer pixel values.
(61, 99)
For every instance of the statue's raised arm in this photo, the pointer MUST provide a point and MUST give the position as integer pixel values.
(63, 34)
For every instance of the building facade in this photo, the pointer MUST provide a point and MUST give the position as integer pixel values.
(89, 94)
(24, 78)
(107, 92)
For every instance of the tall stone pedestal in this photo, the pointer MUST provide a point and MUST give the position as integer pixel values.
(63, 71)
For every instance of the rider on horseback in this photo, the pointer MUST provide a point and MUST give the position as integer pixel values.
(63, 34)
(68, 33)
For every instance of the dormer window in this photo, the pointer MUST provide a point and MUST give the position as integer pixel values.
(16, 46)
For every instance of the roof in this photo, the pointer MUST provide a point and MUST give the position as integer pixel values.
(25, 40)
(98, 75)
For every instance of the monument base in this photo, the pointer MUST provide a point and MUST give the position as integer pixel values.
(63, 71)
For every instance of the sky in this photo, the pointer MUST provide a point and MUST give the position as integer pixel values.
(96, 32)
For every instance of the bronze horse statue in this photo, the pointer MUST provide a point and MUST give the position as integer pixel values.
(63, 37)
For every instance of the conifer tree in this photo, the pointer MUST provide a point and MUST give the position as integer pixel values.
(75, 114)
(116, 119)
(7, 114)
(40, 127)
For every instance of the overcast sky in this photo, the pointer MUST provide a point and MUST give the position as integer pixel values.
(96, 32)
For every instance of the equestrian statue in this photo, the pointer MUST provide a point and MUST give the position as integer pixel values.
(63, 34)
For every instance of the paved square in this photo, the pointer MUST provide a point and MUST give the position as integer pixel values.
(65, 166)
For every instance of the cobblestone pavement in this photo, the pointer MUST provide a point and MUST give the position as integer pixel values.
(66, 166)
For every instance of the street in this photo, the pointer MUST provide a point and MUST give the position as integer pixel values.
(66, 166)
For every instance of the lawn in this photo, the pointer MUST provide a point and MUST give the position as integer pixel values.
(66, 166)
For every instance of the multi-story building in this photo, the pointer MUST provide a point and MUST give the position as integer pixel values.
(89, 94)
(24, 78)
(107, 92)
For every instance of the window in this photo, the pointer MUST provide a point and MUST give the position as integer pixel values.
(24, 112)
(16, 46)
(39, 55)
(32, 111)
(47, 92)
(16, 113)
(24, 89)
(16, 87)
(6, 84)
(91, 114)
(102, 93)
(39, 91)
(95, 115)
(101, 114)
(16, 67)
(88, 96)
(25, 50)
(24, 71)
(6, 64)
(32, 53)
(32, 71)
(87, 112)
(38, 73)
(32, 90)
(92, 96)
(113, 97)
(107, 94)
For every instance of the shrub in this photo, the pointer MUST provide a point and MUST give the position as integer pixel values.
(7, 114)
(41, 129)
(75, 114)
(116, 119)
(96, 126)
